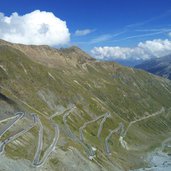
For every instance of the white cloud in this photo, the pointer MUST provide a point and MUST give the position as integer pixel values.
(170, 34)
(151, 48)
(37, 27)
(83, 32)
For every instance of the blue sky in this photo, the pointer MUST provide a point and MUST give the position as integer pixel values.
(99, 23)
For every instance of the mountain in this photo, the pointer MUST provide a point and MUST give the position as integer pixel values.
(158, 66)
(76, 113)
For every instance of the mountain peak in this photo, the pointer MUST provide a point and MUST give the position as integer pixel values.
(76, 52)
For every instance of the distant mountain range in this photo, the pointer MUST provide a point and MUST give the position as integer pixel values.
(158, 66)
(127, 62)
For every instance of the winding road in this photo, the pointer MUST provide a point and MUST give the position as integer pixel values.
(14, 136)
(38, 163)
(85, 125)
(40, 142)
(143, 118)
(13, 120)
(10, 123)
(88, 148)
(116, 130)
(101, 124)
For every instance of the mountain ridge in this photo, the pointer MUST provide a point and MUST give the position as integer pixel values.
(47, 55)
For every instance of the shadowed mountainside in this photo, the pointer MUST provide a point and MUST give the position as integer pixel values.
(160, 66)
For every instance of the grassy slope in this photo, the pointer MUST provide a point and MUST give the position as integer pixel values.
(94, 88)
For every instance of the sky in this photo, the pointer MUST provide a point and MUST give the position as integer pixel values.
(106, 29)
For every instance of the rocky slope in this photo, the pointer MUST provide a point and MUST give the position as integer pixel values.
(69, 88)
